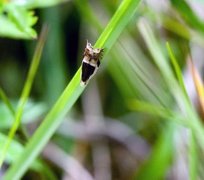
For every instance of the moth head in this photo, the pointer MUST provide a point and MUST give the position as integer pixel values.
(96, 51)
(89, 46)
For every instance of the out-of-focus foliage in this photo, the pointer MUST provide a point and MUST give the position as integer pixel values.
(28, 4)
(16, 20)
(140, 117)
(32, 113)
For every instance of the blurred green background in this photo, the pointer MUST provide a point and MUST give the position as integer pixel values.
(131, 122)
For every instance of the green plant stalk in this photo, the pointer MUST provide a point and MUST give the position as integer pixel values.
(71, 93)
(24, 95)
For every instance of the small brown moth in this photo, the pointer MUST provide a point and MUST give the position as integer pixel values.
(90, 62)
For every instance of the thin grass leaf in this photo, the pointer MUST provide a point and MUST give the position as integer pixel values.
(164, 67)
(146, 86)
(25, 94)
(126, 88)
(149, 108)
(156, 166)
(184, 106)
(177, 70)
(7, 102)
(176, 27)
(182, 30)
(71, 93)
(156, 110)
(117, 24)
(12, 111)
(193, 157)
(188, 15)
(32, 112)
(13, 152)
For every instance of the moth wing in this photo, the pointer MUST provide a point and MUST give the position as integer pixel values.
(87, 71)
(98, 63)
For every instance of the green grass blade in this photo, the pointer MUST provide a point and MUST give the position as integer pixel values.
(15, 149)
(136, 68)
(188, 15)
(177, 70)
(7, 102)
(166, 71)
(155, 50)
(24, 96)
(117, 23)
(156, 110)
(176, 27)
(156, 166)
(12, 111)
(193, 157)
(183, 103)
(70, 94)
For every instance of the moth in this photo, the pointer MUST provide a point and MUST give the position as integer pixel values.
(90, 62)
